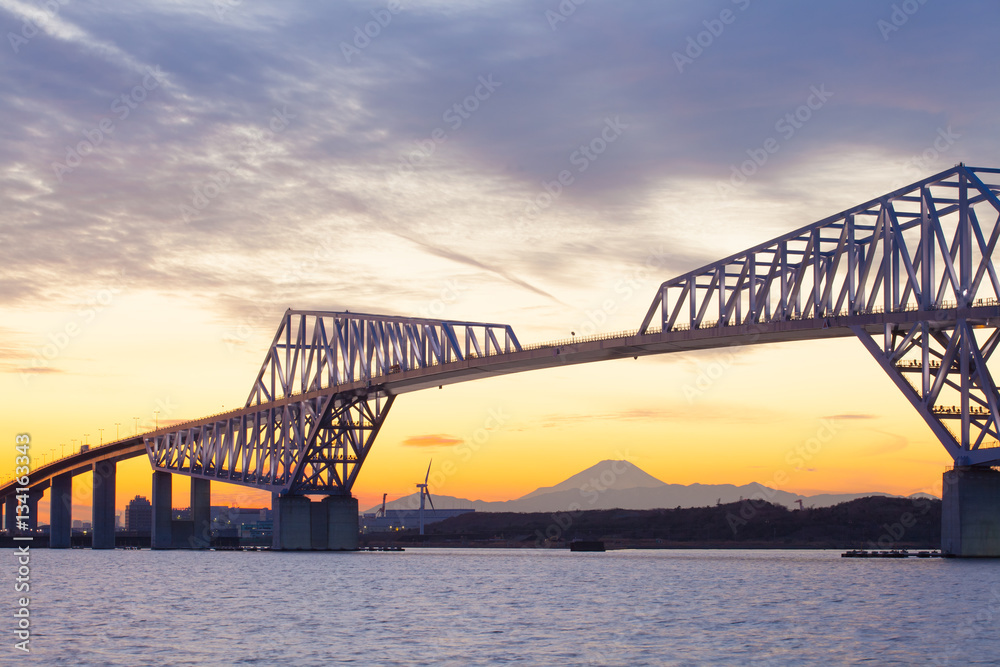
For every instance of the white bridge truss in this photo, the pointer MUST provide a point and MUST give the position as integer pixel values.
(316, 350)
(319, 400)
(920, 258)
(910, 273)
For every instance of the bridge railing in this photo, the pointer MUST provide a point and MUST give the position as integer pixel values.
(315, 350)
(916, 248)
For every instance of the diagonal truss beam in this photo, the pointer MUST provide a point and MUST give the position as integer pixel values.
(925, 249)
(314, 350)
(302, 430)
(926, 246)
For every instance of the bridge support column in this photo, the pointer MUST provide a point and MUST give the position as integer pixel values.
(10, 513)
(61, 512)
(33, 498)
(104, 505)
(342, 517)
(318, 525)
(201, 513)
(342, 526)
(292, 523)
(970, 513)
(163, 493)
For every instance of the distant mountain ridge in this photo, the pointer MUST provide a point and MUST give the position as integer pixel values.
(622, 485)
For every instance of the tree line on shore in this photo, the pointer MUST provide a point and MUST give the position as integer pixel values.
(875, 522)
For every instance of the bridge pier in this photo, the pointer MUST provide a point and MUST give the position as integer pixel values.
(10, 513)
(342, 522)
(292, 523)
(201, 513)
(970, 513)
(61, 511)
(161, 536)
(302, 525)
(33, 498)
(104, 505)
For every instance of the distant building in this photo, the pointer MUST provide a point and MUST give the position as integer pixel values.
(256, 531)
(139, 515)
(224, 518)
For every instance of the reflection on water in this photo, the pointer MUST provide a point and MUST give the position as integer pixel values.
(472, 606)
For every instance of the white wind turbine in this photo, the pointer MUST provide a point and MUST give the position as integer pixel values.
(424, 493)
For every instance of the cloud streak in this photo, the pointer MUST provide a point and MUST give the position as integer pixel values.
(431, 440)
(333, 173)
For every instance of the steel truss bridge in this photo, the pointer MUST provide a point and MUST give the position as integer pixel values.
(910, 274)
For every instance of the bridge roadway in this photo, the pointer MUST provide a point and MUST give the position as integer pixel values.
(549, 355)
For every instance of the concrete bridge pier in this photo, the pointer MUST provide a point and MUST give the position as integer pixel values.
(61, 511)
(9, 513)
(201, 513)
(33, 498)
(302, 525)
(342, 522)
(292, 523)
(104, 505)
(161, 536)
(970, 513)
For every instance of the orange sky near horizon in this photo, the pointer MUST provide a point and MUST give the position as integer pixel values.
(808, 417)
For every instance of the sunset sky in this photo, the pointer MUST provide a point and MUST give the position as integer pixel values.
(176, 175)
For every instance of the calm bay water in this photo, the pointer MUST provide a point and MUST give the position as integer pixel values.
(473, 606)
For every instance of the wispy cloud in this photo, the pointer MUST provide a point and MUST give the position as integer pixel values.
(698, 414)
(333, 172)
(852, 416)
(431, 440)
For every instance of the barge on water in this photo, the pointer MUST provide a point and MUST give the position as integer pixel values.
(892, 553)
